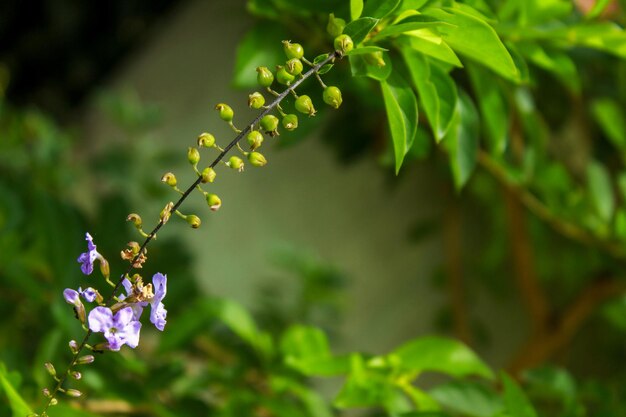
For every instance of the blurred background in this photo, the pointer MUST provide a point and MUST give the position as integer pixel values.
(98, 101)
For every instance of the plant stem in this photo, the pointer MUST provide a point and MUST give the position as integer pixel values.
(183, 197)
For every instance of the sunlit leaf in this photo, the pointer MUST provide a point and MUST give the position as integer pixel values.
(358, 29)
(468, 399)
(356, 8)
(515, 400)
(380, 8)
(19, 407)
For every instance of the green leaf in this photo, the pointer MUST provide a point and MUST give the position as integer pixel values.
(554, 61)
(467, 398)
(324, 69)
(601, 191)
(410, 24)
(380, 8)
(426, 42)
(259, 47)
(364, 387)
(597, 9)
(411, 5)
(320, 58)
(439, 354)
(358, 29)
(362, 66)
(494, 110)
(306, 349)
(515, 400)
(610, 116)
(401, 108)
(474, 38)
(604, 36)
(436, 89)
(241, 323)
(356, 8)
(363, 50)
(462, 140)
(19, 407)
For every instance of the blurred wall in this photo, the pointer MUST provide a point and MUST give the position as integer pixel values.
(349, 217)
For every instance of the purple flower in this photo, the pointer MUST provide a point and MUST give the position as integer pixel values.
(119, 329)
(137, 307)
(158, 313)
(88, 258)
(89, 294)
(71, 296)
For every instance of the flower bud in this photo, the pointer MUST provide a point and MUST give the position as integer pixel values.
(193, 156)
(169, 178)
(332, 96)
(293, 50)
(134, 247)
(54, 401)
(135, 218)
(208, 175)
(269, 124)
(290, 122)
(194, 221)
(375, 58)
(305, 105)
(264, 77)
(46, 392)
(294, 66)
(50, 368)
(235, 162)
(76, 375)
(73, 346)
(166, 212)
(343, 44)
(84, 360)
(213, 201)
(257, 159)
(256, 100)
(73, 393)
(206, 140)
(255, 139)
(105, 270)
(283, 77)
(226, 112)
(335, 25)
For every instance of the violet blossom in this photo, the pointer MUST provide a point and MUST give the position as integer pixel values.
(88, 258)
(119, 329)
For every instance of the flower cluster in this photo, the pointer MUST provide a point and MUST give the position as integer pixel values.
(120, 323)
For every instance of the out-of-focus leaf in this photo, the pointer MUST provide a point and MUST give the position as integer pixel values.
(493, 108)
(358, 29)
(362, 66)
(554, 61)
(363, 387)
(438, 354)
(356, 8)
(515, 400)
(604, 36)
(259, 47)
(468, 398)
(475, 39)
(366, 50)
(19, 407)
(426, 42)
(241, 323)
(409, 25)
(411, 5)
(612, 119)
(380, 8)
(601, 191)
(436, 90)
(401, 108)
(306, 349)
(461, 140)
(552, 383)
(597, 9)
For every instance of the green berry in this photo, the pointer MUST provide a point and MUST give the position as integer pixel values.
(226, 113)
(208, 175)
(206, 140)
(264, 77)
(194, 221)
(170, 179)
(256, 100)
(257, 159)
(235, 162)
(255, 139)
(305, 105)
(335, 25)
(193, 156)
(343, 44)
(294, 66)
(269, 124)
(290, 122)
(332, 96)
(213, 201)
(293, 50)
(283, 77)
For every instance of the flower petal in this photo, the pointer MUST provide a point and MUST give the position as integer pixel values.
(100, 319)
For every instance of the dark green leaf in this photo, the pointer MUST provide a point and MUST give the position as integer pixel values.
(19, 407)
(320, 58)
(462, 140)
(324, 69)
(553, 60)
(358, 29)
(601, 191)
(468, 398)
(259, 47)
(401, 108)
(380, 8)
(441, 355)
(494, 111)
(515, 400)
(436, 90)
(474, 38)
(362, 67)
(612, 119)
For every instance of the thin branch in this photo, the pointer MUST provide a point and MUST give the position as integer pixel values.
(291, 88)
